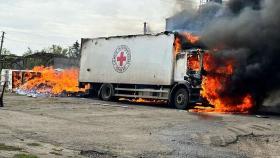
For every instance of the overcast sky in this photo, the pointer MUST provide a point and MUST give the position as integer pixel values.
(40, 23)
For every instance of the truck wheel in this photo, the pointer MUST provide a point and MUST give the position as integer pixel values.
(181, 99)
(106, 92)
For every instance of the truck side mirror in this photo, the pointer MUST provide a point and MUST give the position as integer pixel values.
(203, 72)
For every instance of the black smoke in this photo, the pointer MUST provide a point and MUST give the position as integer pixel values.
(252, 38)
(236, 6)
(192, 20)
(247, 31)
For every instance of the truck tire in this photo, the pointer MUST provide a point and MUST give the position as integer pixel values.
(181, 99)
(106, 92)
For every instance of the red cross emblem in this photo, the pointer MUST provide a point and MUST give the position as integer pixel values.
(121, 58)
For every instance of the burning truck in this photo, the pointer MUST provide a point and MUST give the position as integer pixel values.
(172, 67)
(166, 66)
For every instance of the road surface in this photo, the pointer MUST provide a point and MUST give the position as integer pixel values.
(78, 127)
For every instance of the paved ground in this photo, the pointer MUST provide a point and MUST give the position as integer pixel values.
(76, 127)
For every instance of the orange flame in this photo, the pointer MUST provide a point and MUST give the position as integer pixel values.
(190, 37)
(193, 63)
(52, 81)
(16, 79)
(177, 45)
(216, 81)
(148, 101)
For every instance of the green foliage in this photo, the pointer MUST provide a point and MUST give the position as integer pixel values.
(24, 156)
(74, 50)
(6, 52)
(44, 57)
(9, 148)
(28, 52)
(56, 49)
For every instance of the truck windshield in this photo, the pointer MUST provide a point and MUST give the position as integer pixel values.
(193, 62)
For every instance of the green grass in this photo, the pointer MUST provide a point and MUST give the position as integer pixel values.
(34, 144)
(9, 148)
(25, 156)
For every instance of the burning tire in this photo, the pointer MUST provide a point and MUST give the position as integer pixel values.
(181, 99)
(106, 92)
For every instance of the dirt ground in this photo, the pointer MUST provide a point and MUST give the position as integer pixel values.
(78, 127)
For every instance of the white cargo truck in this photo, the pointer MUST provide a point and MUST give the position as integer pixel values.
(140, 66)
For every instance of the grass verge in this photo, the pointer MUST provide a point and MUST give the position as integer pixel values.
(25, 156)
(9, 148)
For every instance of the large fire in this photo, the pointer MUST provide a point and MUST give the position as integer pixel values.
(214, 86)
(216, 81)
(193, 62)
(50, 81)
(191, 39)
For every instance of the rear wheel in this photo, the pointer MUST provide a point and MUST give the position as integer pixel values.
(181, 99)
(106, 92)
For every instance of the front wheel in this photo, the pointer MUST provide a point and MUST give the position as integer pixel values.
(181, 99)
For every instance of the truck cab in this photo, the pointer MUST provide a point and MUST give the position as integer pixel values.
(188, 78)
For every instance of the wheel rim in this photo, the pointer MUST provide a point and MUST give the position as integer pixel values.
(107, 92)
(180, 99)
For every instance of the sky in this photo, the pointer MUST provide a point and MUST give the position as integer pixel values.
(40, 23)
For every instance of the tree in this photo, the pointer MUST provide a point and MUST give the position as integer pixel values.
(6, 52)
(56, 49)
(74, 50)
(28, 52)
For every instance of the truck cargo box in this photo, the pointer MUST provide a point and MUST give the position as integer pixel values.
(139, 59)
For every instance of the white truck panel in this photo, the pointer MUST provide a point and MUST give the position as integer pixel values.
(142, 59)
(180, 69)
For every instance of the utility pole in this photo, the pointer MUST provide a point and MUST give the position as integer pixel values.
(145, 28)
(1, 47)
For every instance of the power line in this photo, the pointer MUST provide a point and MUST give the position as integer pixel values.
(25, 42)
(30, 33)
(29, 43)
(33, 34)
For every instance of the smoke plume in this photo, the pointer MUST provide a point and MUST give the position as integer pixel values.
(250, 37)
(182, 5)
(248, 32)
(192, 21)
